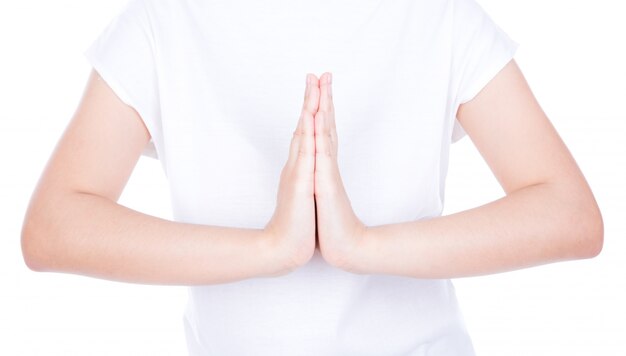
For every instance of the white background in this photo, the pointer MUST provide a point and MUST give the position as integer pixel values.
(573, 53)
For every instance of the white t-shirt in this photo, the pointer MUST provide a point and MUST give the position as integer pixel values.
(220, 84)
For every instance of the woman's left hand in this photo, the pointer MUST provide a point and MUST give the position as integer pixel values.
(338, 228)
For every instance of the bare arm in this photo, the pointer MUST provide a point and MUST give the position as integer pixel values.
(548, 214)
(74, 223)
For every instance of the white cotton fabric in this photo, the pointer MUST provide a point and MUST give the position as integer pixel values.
(219, 84)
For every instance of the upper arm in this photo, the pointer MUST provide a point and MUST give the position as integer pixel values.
(100, 146)
(515, 137)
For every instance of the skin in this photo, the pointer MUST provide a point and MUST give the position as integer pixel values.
(548, 214)
(74, 224)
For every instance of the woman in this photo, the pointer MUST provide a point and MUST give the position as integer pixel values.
(335, 252)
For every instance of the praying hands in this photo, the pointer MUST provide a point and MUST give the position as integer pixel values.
(312, 202)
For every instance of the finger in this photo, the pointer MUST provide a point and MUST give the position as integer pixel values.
(297, 134)
(311, 98)
(303, 141)
(305, 161)
(327, 105)
(324, 152)
(307, 101)
(326, 97)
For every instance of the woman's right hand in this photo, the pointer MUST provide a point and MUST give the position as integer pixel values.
(291, 230)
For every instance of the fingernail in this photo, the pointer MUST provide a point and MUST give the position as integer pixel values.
(308, 79)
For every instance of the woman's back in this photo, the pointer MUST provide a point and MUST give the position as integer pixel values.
(218, 85)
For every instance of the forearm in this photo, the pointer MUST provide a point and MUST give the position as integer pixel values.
(91, 235)
(532, 226)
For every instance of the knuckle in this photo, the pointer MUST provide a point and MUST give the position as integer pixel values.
(304, 151)
(307, 107)
(324, 153)
(298, 132)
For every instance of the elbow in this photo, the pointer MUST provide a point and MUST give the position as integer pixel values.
(33, 249)
(589, 227)
(596, 237)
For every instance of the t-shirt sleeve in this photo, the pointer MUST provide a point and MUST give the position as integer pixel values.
(123, 55)
(480, 50)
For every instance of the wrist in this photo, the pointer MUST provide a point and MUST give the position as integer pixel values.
(376, 251)
(277, 261)
(354, 256)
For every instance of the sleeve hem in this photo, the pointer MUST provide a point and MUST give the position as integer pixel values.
(488, 75)
(150, 148)
(458, 132)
